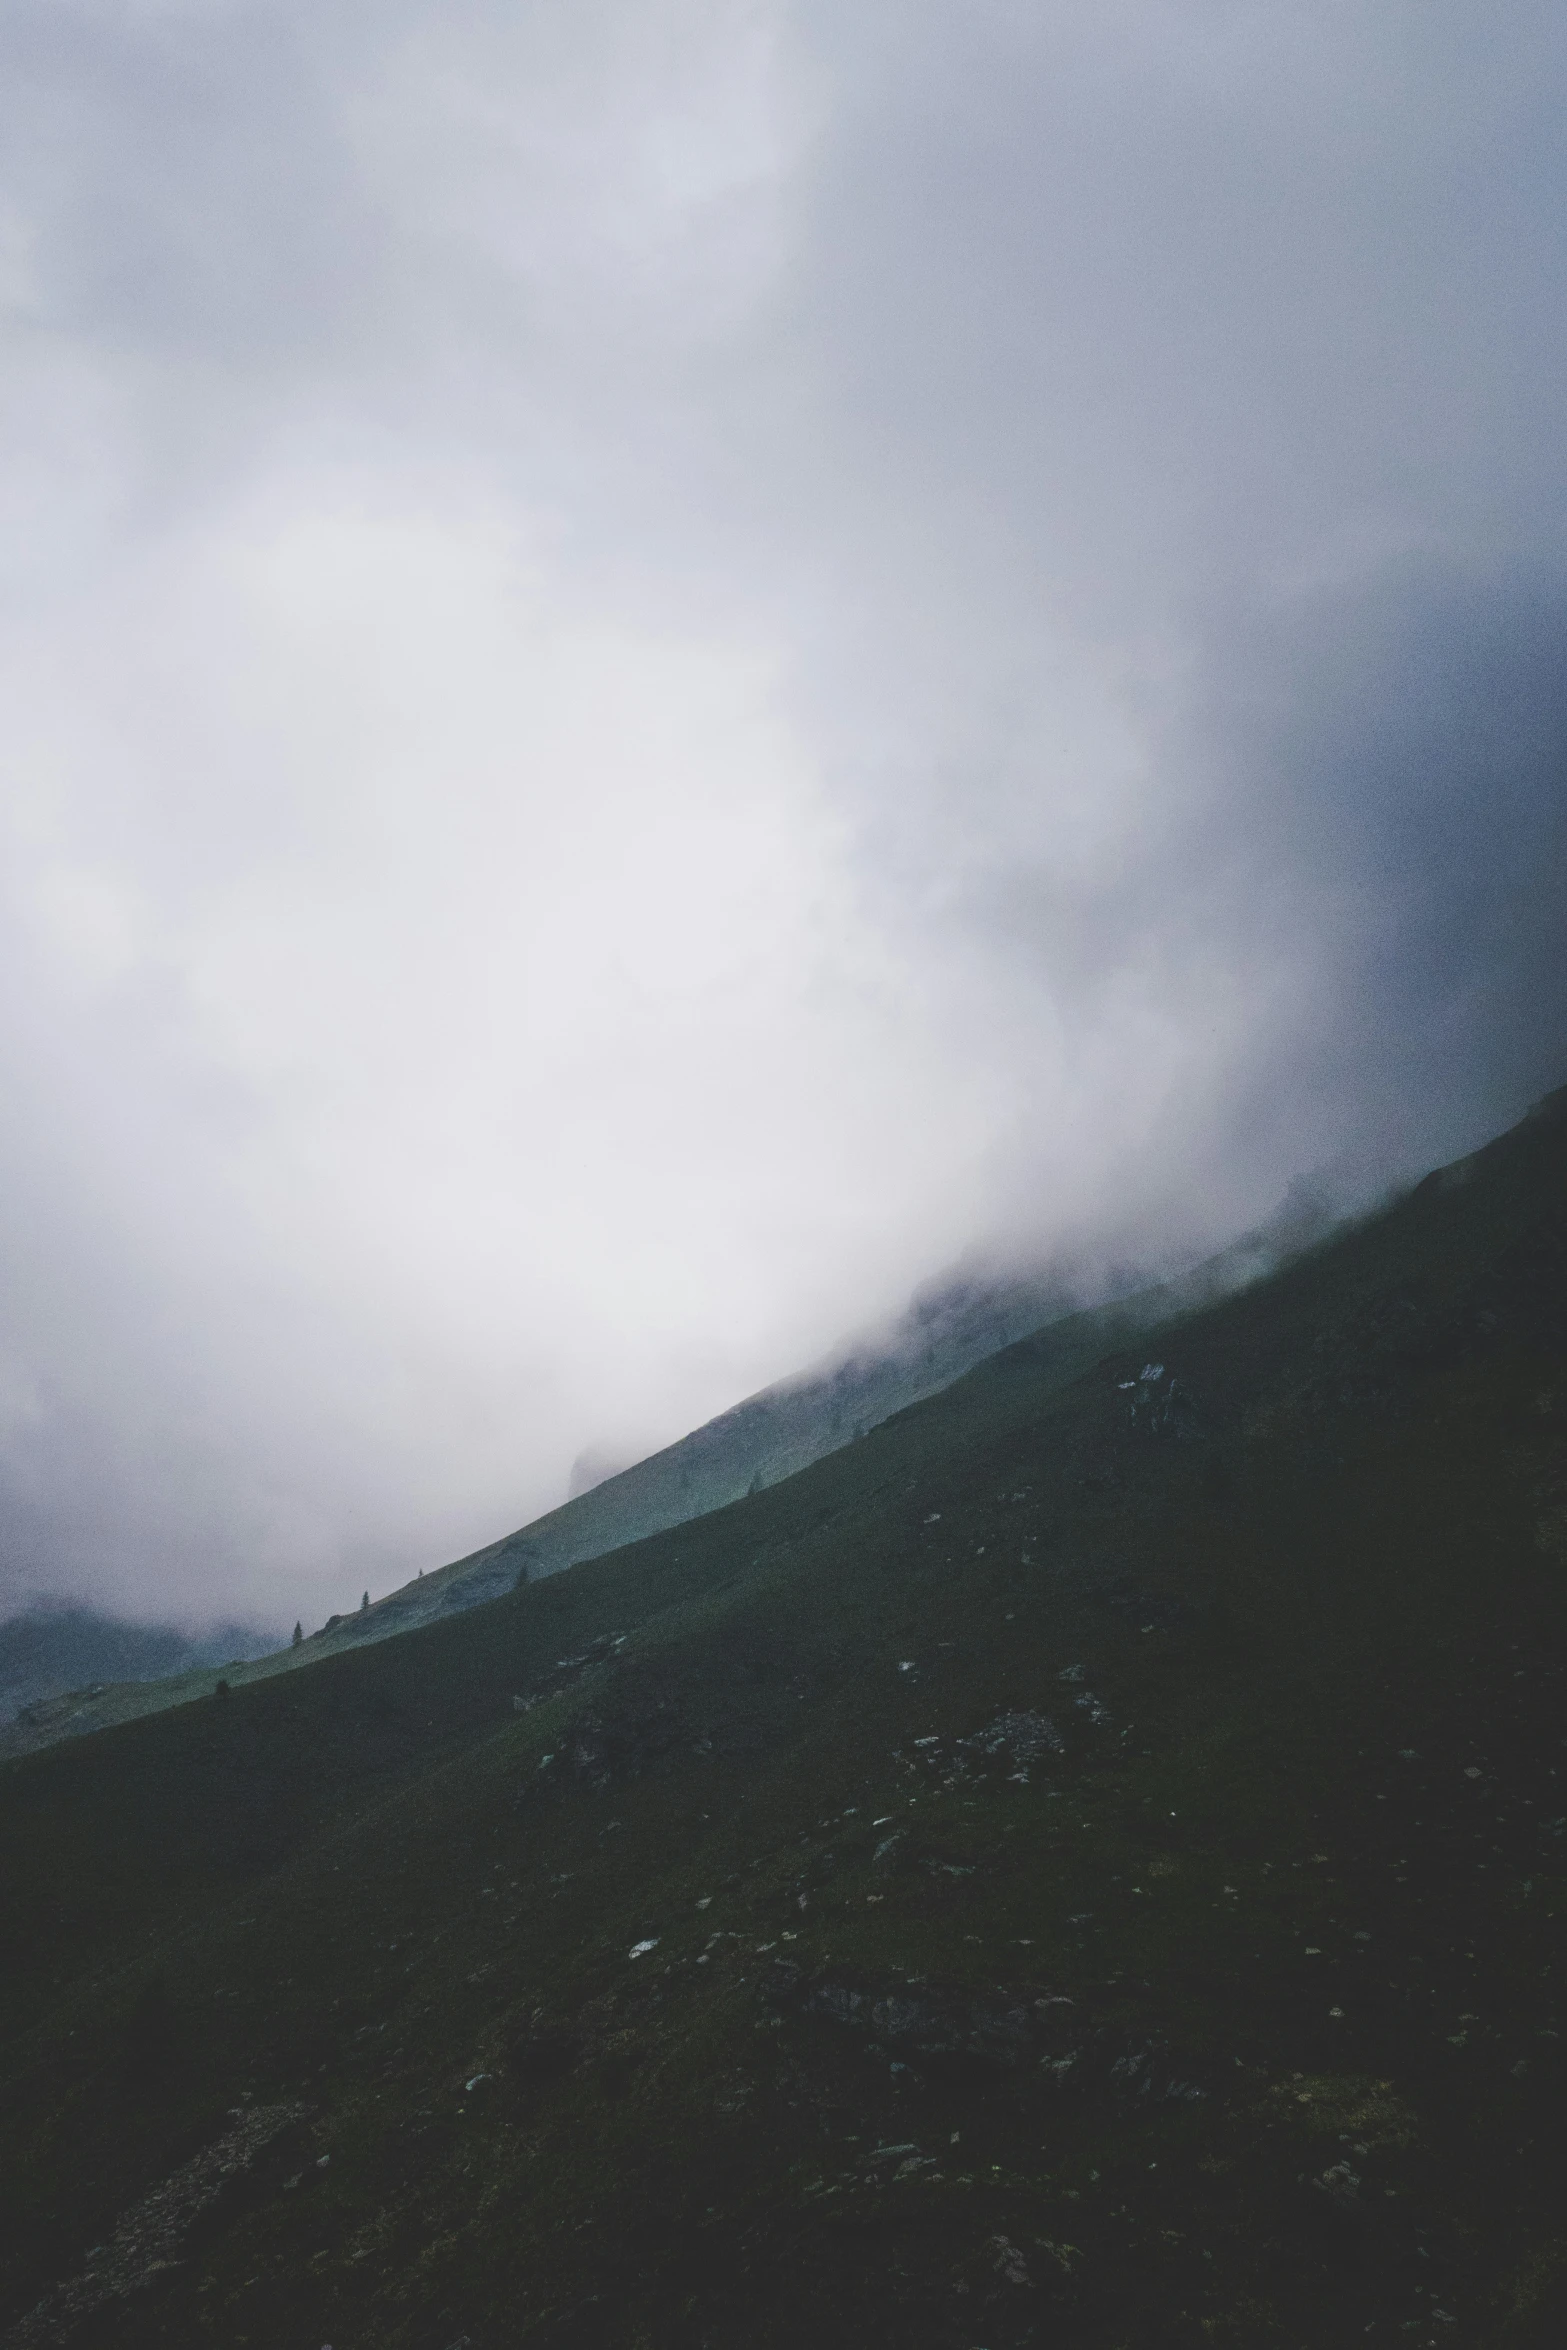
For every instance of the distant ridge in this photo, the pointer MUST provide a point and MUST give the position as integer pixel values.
(46, 1651)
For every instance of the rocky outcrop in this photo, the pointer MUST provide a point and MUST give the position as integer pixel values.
(931, 2025)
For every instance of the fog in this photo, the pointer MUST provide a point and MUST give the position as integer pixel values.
(667, 666)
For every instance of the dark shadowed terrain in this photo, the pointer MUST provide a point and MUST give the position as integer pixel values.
(1084, 1865)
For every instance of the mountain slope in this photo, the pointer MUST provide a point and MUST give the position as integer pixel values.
(785, 1428)
(759, 1442)
(1085, 1864)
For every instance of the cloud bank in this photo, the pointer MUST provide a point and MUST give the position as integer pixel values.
(663, 666)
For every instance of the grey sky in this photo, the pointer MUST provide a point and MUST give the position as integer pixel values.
(664, 665)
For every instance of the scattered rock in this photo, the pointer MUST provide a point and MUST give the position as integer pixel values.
(1025, 1735)
(932, 2021)
(1009, 2261)
(148, 2237)
(1341, 2186)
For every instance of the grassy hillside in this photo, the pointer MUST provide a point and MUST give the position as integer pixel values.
(1084, 1865)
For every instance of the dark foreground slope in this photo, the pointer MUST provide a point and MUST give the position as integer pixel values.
(1080, 1867)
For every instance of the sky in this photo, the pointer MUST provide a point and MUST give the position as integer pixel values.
(667, 664)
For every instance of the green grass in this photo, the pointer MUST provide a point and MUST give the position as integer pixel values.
(1301, 1857)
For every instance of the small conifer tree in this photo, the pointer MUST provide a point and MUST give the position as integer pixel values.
(364, 1603)
(299, 1635)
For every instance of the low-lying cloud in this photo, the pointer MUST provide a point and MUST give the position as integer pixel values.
(666, 666)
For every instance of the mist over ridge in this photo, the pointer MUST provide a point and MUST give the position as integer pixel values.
(668, 666)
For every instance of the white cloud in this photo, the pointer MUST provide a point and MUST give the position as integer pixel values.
(665, 664)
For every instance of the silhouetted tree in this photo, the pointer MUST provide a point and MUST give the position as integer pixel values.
(299, 1635)
(364, 1603)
